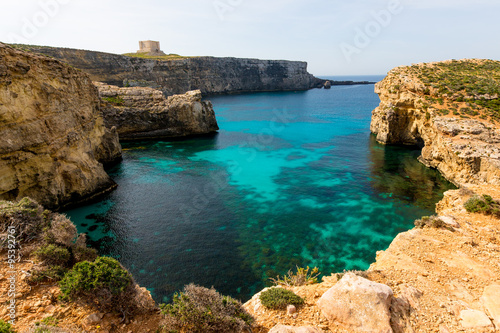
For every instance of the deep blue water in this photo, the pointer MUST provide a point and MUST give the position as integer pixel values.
(292, 178)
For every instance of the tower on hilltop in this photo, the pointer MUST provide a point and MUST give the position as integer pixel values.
(150, 47)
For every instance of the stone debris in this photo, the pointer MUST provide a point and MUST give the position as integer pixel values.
(291, 309)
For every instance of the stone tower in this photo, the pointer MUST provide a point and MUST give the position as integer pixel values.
(150, 47)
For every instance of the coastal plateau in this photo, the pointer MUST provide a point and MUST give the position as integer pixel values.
(210, 75)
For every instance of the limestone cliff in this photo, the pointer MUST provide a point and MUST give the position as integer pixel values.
(211, 75)
(53, 140)
(145, 113)
(450, 108)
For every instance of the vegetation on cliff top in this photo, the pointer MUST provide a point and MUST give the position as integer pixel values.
(171, 56)
(279, 298)
(302, 277)
(199, 309)
(483, 204)
(470, 87)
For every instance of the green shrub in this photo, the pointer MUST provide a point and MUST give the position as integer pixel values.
(50, 273)
(6, 327)
(199, 309)
(300, 278)
(114, 100)
(483, 204)
(50, 321)
(103, 283)
(53, 255)
(432, 222)
(279, 298)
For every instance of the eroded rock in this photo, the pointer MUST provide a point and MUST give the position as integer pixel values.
(145, 113)
(54, 142)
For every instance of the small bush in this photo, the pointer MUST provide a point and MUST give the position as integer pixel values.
(118, 101)
(432, 222)
(80, 250)
(483, 204)
(61, 231)
(6, 327)
(53, 255)
(42, 328)
(50, 321)
(279, 298)
(25, 215)
(51, 273)
(103, 283)
(199, 309)
(300, 278)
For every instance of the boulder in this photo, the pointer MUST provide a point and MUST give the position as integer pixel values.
(327, 85)
(358, 304)
(292, 329)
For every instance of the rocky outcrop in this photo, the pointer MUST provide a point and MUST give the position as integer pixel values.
(210, 75)
(145, 113)
(54, 142)
(358, 304)
(465, 149)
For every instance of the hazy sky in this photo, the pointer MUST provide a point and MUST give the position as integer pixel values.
(336, 37)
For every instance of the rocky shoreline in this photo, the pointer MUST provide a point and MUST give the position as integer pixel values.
(434, 278)
(141, 113)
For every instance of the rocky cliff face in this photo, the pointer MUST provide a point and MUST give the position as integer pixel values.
(208, 74)
(53, 140)
(460, 136)
(145, 113)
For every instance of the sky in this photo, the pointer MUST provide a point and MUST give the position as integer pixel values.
(335, 37)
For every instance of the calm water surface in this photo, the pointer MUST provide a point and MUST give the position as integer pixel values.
(292, 178)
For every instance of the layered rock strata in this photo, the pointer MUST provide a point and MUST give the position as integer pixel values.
(465, 149)
(145, 113)
(53, 140)
(210, 75)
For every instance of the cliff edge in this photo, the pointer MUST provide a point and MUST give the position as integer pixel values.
(452, 109)
(210, 75)
(54, 142)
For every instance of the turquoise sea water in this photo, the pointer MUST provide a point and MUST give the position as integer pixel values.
(292, 178)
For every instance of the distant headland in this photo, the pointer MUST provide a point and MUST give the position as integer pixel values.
(175, 74)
